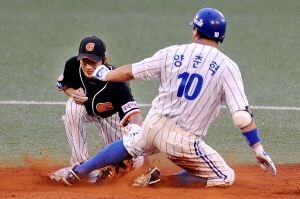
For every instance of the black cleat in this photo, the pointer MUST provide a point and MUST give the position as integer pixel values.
(71, 177)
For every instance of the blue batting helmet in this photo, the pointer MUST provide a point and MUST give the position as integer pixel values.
(211, 23)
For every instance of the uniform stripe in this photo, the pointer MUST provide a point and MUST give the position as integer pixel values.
(208, 161)
(174, 66)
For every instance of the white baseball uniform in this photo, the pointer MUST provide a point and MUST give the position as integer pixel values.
(194, 80)
(75, 119)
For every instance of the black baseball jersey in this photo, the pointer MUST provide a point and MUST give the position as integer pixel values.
(104, 98)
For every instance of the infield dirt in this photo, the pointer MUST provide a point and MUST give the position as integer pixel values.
(251, 182)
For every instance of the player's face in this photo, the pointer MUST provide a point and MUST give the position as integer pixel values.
(89, 66)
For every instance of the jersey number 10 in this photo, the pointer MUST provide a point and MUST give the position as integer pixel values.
(185, 87)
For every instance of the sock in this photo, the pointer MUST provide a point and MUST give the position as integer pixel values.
(112, 154)
(186, 179)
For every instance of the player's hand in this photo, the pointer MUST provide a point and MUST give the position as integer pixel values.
(100, 72)
(79, 96)
(264, 160)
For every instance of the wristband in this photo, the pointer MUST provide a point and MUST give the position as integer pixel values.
(252, 136)
(134, 127)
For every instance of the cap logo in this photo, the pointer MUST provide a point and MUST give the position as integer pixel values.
(90, 46)
(217, 34)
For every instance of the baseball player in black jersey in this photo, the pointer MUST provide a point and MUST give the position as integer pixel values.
(110, 105)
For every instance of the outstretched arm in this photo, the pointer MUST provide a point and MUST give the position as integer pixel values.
(136, 119)
(250, 132)
(121, 74)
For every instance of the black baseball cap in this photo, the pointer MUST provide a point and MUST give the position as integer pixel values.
(92, 48)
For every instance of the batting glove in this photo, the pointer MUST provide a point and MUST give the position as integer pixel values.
(264, 160)
(101, 72)
(134, 129)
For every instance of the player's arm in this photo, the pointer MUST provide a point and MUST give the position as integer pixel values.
(121, 74)
(77, 94)
(65, 82)
(69, 91)
(136, 122)
(136, 119)
(244, 120)
(242, 117)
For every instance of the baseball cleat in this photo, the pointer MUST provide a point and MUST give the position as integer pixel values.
(150, 178)
(56, 177)
(71, 177)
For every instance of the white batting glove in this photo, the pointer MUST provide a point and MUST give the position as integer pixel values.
(264, 160)
(133, 129)
(100, 72)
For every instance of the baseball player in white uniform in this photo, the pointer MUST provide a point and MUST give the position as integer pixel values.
(195, 79)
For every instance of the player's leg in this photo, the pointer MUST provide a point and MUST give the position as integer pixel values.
(112, 154)
(204, 167)
(111, 130)
(74, 120)
(117, 152)
(183, 179)
(198, 159)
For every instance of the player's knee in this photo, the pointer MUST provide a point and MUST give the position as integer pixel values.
(226, 181)
(219, 184)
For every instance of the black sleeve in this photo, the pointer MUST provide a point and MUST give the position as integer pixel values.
(71, 75)
(127, 105)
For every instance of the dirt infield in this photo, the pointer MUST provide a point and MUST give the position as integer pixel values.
(251, 182)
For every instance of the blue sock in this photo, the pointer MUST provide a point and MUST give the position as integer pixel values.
(186, 178)
(112, 154)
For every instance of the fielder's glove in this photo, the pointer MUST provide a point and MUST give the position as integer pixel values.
(264, 160)
(100, 72)
(112, 173)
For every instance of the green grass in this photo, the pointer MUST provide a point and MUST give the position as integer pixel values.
(38, 36)
(279, 131)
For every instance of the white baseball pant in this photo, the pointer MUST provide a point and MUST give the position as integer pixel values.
(186, 150)
(110, 130)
